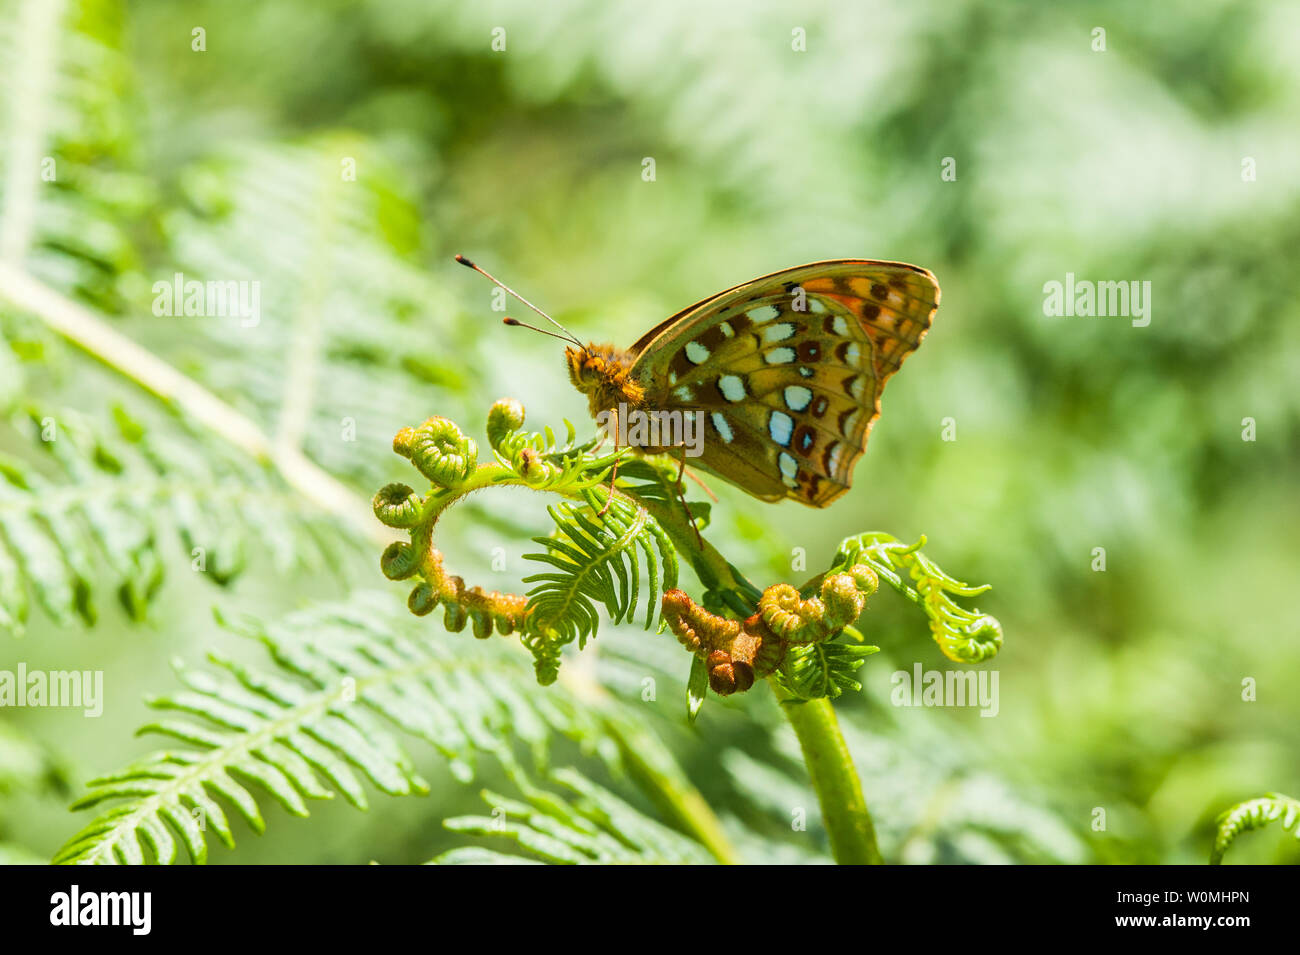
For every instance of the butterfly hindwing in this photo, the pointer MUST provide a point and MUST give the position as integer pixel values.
(786, 371)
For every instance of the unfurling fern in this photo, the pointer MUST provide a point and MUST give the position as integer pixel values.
(963, 635)
(824, 669)
(1254, 814)
(596, 560)
(803, 638)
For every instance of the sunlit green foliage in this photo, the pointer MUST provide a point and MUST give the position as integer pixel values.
(1157, 689)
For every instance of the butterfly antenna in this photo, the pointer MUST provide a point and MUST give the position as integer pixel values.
(515, 323)
(568, 335)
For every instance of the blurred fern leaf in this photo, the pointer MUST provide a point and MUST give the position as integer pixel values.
(323, 718)
(592, 827)
(86, 499)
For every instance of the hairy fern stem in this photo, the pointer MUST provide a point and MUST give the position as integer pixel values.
(830, 765)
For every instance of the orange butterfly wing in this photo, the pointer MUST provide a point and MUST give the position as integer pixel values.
(785, 372)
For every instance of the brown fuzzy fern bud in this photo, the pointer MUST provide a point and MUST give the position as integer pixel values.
(769, 652)
(484, 610)
(728, 675)
(738, 653)
(697, 630)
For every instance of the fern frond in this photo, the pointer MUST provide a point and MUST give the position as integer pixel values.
(355, 332)
(591, 827)
(25, 765)
(789, 638)
(69, 203)
(824, 669)
(597, 556)
(963, 635)
(597, 560)
(1254, 814)
(523, 451)
(86, 498)
(323, 719)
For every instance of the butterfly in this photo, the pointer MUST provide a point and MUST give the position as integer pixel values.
(783, 373)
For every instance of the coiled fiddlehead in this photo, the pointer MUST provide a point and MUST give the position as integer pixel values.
(1254, 814)
(737, 653)
(439, 451)
(964, 636)
(593, 560)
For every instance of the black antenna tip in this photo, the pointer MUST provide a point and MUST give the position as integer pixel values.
(511, 321)
(465, 262)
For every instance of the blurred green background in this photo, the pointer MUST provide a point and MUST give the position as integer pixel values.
(1120, 690)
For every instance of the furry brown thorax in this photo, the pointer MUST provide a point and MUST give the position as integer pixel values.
(602, 373)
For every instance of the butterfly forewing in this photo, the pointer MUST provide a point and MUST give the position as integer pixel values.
(786, 372)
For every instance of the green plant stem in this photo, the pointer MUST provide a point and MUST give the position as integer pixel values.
(830, 766)
(673, 793)
(844, 810)
(96, 336)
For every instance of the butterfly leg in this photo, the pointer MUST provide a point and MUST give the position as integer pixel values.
(703, 487)
(609, 498)
(681, 495)
(613, 474)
